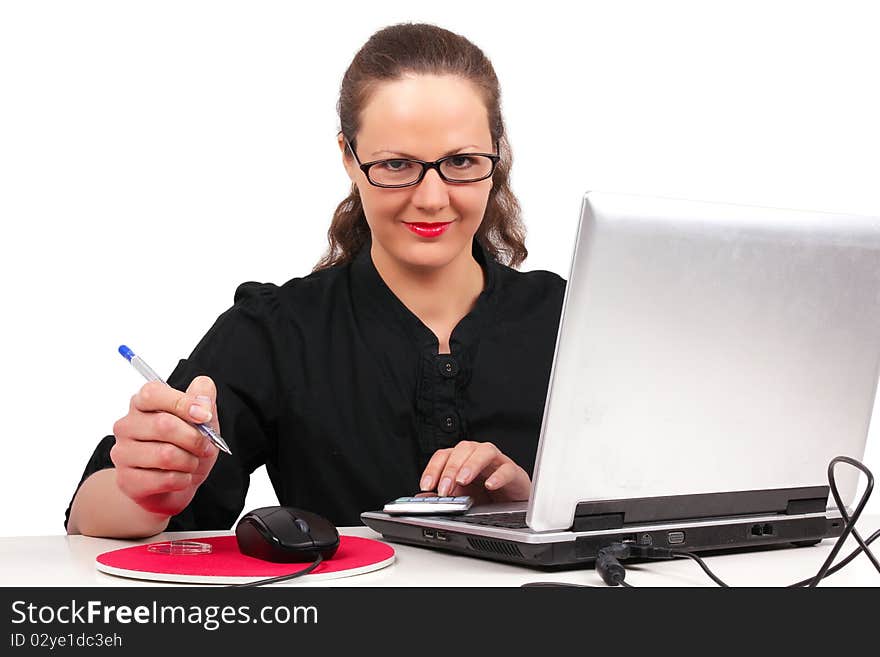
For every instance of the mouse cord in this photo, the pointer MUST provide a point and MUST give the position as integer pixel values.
(613, 572)
(281, 578)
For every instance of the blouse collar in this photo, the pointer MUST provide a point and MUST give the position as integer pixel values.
(368, 285)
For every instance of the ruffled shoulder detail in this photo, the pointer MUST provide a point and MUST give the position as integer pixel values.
(261, 299)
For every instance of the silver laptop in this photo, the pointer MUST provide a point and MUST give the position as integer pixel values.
(711, 360)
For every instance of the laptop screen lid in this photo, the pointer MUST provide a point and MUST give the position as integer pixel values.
(708, 348)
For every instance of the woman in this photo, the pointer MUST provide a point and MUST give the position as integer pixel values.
(410, 359)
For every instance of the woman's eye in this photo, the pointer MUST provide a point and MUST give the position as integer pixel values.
(461, 162)
(395, 165)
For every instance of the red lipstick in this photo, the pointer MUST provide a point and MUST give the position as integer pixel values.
(423, 229)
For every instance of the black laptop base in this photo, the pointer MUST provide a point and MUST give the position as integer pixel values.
(583, 550)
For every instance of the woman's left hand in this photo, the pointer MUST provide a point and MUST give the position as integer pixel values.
(476, 469)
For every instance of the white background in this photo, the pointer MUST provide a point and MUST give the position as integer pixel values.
(154, 155)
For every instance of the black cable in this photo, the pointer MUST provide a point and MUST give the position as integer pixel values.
(825, 570)
(609, 567)
(555, 585)
(701, 564)
(613, 573)
(831, 571)
(850, 526)
(281, 578)
(852, 555)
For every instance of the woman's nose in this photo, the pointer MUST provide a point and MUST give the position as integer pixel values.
(432, 194)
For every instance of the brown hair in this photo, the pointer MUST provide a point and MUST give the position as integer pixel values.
(425, 49)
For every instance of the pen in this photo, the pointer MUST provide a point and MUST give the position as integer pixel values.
(150, 375)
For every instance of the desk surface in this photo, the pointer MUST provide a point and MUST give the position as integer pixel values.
(69, 561)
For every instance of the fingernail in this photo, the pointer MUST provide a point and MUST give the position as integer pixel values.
(199, 413)
(205, 399)
(445, 485)
(464, 476)
(427, 480)
(491, 482)
(208, 447)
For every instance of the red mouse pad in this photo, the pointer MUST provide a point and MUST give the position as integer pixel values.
(226, 565)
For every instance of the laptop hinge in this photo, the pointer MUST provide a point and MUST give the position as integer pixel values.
(808, 505)
(614, 514)
(597, 522)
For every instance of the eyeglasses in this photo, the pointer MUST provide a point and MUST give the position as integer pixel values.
(404, 172)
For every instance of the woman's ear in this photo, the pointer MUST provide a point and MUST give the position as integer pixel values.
(347, 159)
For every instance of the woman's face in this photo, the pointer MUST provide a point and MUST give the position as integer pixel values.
(422, 117)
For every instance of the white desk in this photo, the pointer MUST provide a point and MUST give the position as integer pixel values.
(69, 561)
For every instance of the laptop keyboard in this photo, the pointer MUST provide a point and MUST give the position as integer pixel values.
(511, 520)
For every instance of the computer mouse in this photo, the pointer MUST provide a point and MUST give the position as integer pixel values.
(283, 534)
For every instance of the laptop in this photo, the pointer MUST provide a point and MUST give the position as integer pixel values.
(711, 360)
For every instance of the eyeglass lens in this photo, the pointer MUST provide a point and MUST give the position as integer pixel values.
(463, 168)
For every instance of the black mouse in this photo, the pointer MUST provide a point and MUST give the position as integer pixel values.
(283, 534)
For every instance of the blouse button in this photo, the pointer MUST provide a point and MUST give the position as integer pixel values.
(448, 367)
(450, 423)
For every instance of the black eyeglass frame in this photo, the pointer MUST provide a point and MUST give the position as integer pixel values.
(426, 166)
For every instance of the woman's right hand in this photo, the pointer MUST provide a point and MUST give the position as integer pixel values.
(160, 458)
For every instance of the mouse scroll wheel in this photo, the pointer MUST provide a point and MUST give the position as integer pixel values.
(303, 525)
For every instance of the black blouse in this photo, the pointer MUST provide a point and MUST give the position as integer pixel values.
(338, 388)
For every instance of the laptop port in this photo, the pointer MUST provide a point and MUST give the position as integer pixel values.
(765, 529)
(675, 538)
(428, 533)
(441, 536)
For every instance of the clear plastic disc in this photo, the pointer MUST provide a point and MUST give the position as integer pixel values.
(180, 547)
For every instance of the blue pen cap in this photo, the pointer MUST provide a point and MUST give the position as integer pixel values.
(127, 353)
